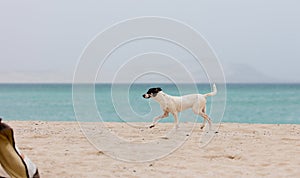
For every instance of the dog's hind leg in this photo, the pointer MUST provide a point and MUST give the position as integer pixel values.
(206, 118)
(156, 119)
(203, 124)
(201, 112)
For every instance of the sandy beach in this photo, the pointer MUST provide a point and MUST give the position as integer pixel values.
(60, 149)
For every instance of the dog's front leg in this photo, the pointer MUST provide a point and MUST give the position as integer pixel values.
(156, 119)
(176, 121)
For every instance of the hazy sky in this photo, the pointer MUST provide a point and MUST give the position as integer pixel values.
(255, 40)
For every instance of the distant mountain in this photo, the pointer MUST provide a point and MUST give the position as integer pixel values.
(243, 73)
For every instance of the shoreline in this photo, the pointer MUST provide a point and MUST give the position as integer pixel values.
(161, 122)
(59, 148)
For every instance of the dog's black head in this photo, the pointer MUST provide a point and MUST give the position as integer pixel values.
(152, 92)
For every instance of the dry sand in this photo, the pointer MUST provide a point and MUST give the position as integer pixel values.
(60, 149)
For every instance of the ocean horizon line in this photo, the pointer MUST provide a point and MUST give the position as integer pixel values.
(145, 83)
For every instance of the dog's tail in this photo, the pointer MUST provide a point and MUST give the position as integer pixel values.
(213, 93)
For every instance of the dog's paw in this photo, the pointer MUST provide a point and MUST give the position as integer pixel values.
(151, 126)
(164, 137)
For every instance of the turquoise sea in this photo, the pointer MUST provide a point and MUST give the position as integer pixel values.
(245, 103)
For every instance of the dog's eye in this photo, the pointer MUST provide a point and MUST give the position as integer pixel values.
(150, 92)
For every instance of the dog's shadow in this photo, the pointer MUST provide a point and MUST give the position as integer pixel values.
(177, 133)
(181, 132)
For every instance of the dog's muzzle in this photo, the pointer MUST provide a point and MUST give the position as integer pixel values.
(147, 96)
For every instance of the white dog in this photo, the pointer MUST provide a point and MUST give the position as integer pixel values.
(175, 104)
